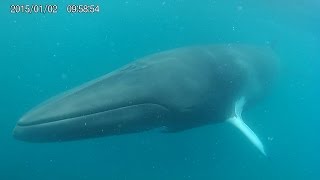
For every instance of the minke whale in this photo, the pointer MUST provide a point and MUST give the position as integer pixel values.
(174, 90)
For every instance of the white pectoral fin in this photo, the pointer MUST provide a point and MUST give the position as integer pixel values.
(239, 123)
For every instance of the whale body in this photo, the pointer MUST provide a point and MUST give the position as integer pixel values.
(176, 89)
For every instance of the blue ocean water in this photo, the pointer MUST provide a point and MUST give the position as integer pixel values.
(44, 54)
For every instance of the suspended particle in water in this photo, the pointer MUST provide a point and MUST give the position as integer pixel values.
(64, 76)
(270, 138)
(239, 8)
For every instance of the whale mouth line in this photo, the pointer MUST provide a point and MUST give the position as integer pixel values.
(80, 115)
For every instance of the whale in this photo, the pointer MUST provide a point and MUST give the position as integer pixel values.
(173, 90)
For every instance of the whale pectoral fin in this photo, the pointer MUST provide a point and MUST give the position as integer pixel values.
(239, 123)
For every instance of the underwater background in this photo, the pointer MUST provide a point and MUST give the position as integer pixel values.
(44, 54)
